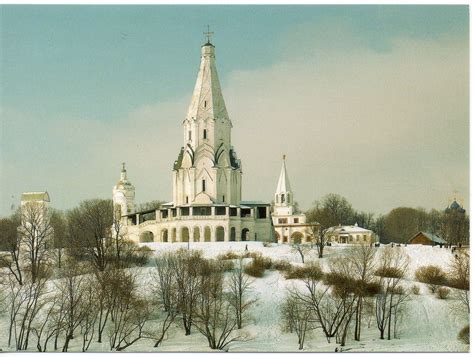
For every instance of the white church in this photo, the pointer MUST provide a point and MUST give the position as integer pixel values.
(207, 201)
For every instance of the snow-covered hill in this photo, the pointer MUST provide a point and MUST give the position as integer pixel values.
(427, 325)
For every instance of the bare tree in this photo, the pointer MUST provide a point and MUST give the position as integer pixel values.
(332, 305)
(25, 303)
(240, 285)
(297, 317)
(459, 273)
(59, 239)
(10, 242)
(130, 313)
(166, 293)
(36, 234)
(48, 327)
(318, 237)
(214, 317)
(362, 267)
(78, 296)
(90, 229)
(391, 270)
(187, 269)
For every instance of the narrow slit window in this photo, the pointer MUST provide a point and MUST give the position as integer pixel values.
(203, 185)
(189, 135)
(205, 134)
(187, 199)
(223, 198)
(205, 104)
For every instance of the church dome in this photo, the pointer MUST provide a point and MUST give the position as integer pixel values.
(455, 207)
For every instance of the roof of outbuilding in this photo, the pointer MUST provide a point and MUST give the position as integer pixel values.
(35, 196)
(431, 236)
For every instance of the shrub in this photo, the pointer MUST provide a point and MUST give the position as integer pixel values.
(254, 270)
(310, 271)
(415, 289)
(282, 265)
(133, 255)
(443, 292)
(262, 261)
(226, 265)
(431, 275)
(464, 335)
(258, 265)
(389, 272)
(230, 255)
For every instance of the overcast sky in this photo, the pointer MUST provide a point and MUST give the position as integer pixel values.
(371, 102)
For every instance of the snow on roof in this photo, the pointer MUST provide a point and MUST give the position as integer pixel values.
(348, 229)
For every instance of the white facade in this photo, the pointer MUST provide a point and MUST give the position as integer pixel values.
(207, 179)
(207, 170)
(289, 226)
(350, 234)
(38, 202)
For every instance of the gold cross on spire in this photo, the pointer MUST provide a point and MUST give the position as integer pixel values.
(208, 34)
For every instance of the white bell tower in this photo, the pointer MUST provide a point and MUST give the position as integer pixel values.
(283, 195)
(124, 193)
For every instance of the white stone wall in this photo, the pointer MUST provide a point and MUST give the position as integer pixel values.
(175, 229)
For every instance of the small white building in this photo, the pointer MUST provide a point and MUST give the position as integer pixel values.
(207, 201)
(350, 234)
(289, 226)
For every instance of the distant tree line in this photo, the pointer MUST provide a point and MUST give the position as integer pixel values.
(399, 225)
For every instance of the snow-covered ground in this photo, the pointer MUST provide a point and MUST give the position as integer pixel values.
(428, 324)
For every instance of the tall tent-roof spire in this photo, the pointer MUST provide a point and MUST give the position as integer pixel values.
(207, 101)
(283, 182)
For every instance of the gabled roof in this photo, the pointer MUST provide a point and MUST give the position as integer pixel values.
(431, 236)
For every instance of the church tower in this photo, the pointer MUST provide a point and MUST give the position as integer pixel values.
(124, 193)
(283, 195)
(207, 170)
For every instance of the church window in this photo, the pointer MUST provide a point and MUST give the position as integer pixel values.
(282, 220)
(282, 198)
(296, 220)
(189, 135)
(205, 134)
(205, 104)
(203, 185)
(187, 199)
(223, 198)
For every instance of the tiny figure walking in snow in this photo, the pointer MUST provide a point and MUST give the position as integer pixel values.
(246, 248)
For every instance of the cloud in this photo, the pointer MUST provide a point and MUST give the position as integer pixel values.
(384, 128)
